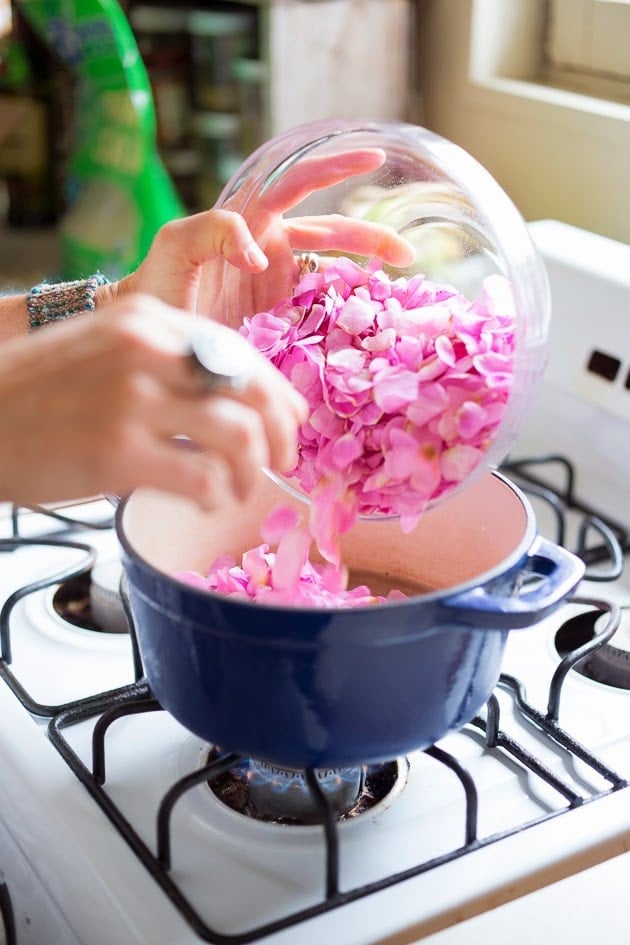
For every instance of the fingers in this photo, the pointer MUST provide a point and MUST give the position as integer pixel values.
(204, 478)
(171, 270)
(257, 427)
(282, 410)
(244, 426)
(233, 431)
(231, 436)
(349, 235)
(153, 395)
(203, 447)
(244, 432)
(318, 173)
(223, 352)
(251, 427)
(204, 236)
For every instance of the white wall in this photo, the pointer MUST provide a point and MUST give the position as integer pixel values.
(335, 59)
(558, 154)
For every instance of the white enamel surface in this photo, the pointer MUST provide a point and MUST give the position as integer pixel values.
(576, 412)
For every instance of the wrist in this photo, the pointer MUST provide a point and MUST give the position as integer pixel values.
(107, 293)
(125, 286)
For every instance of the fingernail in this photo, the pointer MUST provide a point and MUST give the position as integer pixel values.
(255, 256)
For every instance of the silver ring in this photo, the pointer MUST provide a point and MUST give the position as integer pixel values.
(221, 359)
(308, 262)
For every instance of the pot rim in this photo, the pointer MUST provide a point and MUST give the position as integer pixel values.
(430, 597)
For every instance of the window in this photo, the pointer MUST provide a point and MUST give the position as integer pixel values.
(493, 78)
(587, 46)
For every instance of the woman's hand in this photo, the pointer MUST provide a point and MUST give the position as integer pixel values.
(93, 405)
(186, 264)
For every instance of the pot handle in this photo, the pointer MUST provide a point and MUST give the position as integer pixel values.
(502, 604)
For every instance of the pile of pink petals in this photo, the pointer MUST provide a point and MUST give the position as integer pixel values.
(407, 381)
(285, 577)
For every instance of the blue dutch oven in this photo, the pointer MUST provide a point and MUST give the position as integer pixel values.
(334, 688)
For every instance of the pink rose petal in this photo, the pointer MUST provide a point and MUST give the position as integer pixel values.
(291, 557)
(192, 578)
(281, 520)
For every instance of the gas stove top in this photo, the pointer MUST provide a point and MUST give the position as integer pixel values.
(118, 825)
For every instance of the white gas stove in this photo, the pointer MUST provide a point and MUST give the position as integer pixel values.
(110, 831)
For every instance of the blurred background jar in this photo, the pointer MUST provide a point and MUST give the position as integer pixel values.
(252, 76)
(184, 165)
(164, 44)
(217, 142)
(218, 39)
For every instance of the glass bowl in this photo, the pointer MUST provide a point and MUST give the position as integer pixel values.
(462, 225)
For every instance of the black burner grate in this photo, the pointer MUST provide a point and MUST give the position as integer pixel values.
(137, 698)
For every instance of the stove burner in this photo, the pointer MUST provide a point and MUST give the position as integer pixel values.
(607, 664)
(279, 795)
(72, 602)
(92, 601)
(284, 792)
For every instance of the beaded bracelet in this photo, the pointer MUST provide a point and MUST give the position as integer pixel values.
(53, 302)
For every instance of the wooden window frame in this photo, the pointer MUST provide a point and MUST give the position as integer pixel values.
(587, 45)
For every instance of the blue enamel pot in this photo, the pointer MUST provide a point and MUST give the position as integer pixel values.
(332, 688)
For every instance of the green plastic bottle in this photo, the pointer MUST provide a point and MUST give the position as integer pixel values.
(119, 192)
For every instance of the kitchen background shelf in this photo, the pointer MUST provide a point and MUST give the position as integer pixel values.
(228, 75)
